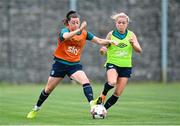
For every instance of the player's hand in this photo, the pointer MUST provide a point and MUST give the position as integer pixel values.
(83, 25)
(114, 42)
(103, 50)
(131, 40)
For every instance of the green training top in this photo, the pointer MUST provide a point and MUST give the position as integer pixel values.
(120, 55)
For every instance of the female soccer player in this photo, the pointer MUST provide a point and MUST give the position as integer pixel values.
(119, 58)
(67, 55)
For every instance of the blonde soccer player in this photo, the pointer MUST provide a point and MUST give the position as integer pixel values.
(119, 59)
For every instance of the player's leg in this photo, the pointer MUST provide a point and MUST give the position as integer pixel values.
(112, 79)
(81, 78)
(123, 75)
(76, 73)
(56, 75)
(121, 84)
(51, 84)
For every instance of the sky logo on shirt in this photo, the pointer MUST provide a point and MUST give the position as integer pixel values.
(73, 49)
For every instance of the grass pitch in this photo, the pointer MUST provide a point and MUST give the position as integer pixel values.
(140, 104)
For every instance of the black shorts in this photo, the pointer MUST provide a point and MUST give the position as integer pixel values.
(122, 71)
(61, 70)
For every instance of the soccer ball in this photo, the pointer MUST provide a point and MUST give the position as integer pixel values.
(99, 112)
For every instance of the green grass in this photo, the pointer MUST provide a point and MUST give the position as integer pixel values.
(145, 104)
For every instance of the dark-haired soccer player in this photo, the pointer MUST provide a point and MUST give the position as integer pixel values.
(67, 56)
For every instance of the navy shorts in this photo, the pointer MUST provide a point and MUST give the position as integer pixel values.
(61, 70)
(122, 71)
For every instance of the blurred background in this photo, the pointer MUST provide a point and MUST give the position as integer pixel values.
(29, 32)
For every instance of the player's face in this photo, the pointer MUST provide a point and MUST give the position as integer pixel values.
(74, 23)
(121, 24)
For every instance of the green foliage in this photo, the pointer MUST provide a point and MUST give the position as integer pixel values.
(144, 104)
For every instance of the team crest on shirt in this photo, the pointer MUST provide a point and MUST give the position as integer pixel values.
(121, 45)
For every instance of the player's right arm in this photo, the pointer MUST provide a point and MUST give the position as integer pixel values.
(68, 35)
(103, 49)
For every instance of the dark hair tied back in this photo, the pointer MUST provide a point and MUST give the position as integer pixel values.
(69, 15)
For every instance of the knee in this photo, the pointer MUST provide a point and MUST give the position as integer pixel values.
(112, 82)
(48, 90)
(84, 81)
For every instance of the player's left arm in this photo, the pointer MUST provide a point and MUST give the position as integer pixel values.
(135, 44)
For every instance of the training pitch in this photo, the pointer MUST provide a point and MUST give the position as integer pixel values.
(140, 104)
